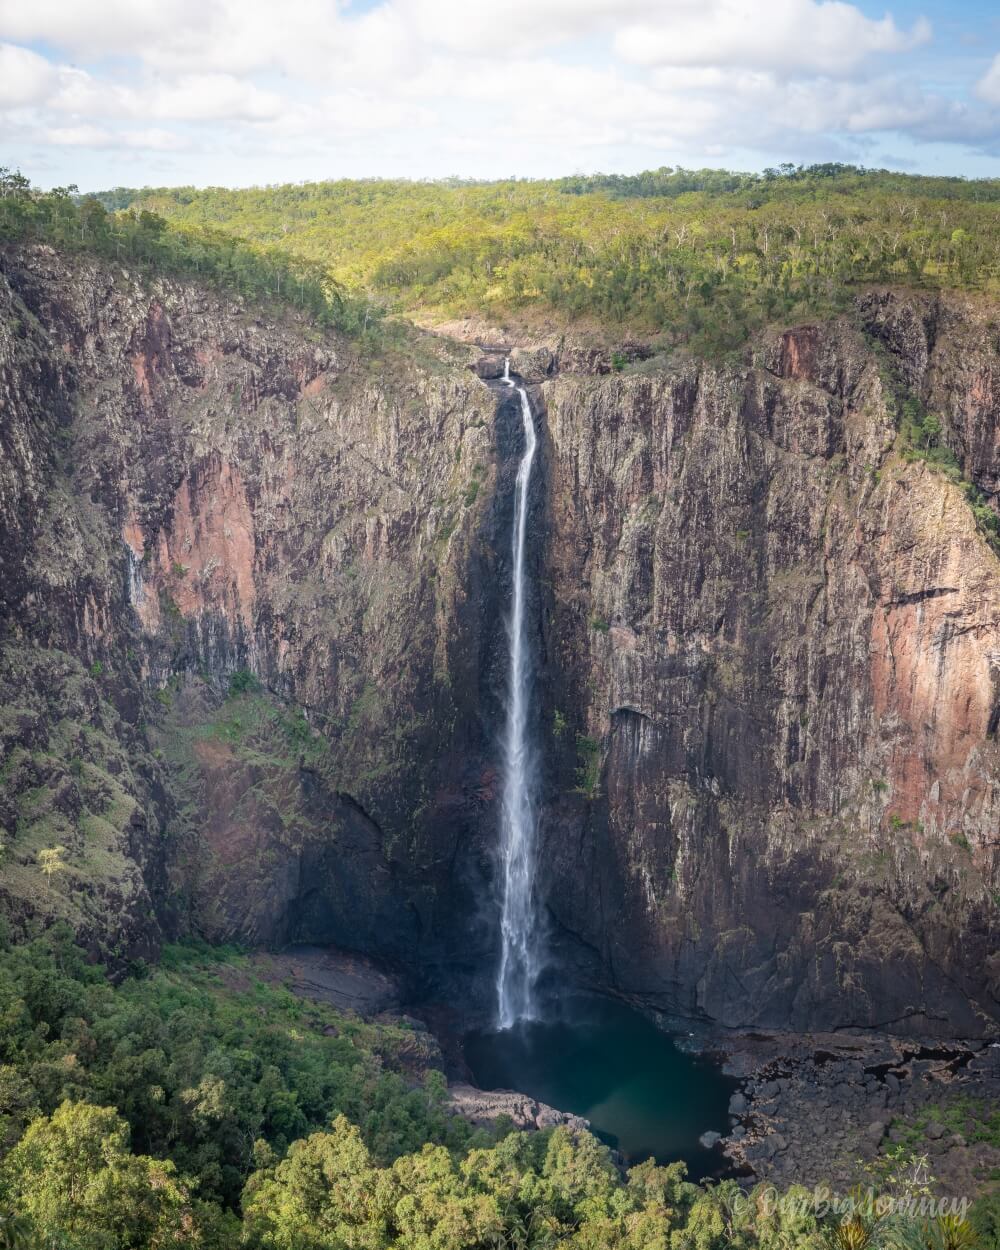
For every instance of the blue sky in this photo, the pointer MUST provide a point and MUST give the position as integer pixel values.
(106, 92)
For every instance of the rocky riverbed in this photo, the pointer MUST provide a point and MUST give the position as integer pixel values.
(824, 1108)
(485, 1107)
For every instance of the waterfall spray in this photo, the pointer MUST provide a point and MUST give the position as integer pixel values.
(519, 927)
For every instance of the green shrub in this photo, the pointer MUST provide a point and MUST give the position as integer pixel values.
(243, 682)
(588, 774)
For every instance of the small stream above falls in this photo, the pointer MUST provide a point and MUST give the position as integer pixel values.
(603, 1060)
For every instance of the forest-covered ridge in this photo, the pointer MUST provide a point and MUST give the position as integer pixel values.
(268, 275)
(700, 257)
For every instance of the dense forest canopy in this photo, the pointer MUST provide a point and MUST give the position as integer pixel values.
(696, 256)
(200, 1105)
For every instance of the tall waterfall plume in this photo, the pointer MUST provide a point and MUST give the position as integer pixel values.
(520, 954)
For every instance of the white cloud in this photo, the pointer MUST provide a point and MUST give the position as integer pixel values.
(25, 77)
(211, 97)
(521, 26)
(789, 36)
(187, 98)
(79, 136)
(988, 87)
(98, 137)
(568, 83)
(97, 27)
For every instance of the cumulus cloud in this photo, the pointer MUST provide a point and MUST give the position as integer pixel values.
(98, 27)
(988, 87)
(97, 137)
(573, 81)
(794, 37)
(211, 97)
(25, 77)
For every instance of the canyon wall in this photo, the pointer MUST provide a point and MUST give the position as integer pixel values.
(256, 567)
(252, 655)
(783, 638)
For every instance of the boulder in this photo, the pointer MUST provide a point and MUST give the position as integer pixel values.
(488, 367)
(531, 364)
(485, 1107)
(709, 1139)
(774, 1144)
(738, 1104)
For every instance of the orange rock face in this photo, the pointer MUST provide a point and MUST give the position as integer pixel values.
(207, 556)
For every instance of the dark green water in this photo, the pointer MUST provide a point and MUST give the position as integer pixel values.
(607, 1062)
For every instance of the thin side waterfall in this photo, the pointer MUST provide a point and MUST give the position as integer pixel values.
(519, 927)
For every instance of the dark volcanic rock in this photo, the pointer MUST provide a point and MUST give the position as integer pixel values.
(780, 637)
(848, 1125)
(191, 497)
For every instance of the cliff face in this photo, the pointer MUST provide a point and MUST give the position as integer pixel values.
(784, 641)
(264, 562)
(253, 596)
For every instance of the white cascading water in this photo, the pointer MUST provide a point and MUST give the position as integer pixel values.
(519, 953)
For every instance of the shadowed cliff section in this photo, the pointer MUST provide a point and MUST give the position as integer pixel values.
(777, 643)
(253, 651)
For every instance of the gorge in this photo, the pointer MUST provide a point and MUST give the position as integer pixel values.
(262, 640)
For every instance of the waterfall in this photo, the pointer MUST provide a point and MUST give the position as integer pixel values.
(519, 927)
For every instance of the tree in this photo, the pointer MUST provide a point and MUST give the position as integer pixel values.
(12, 183)
(52, 860)
(73, 1178)
(327, 1193)
(16, 1232)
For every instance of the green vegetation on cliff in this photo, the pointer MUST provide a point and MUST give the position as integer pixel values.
(200, 1105)
(141, 238)
(922, 437)
(211, 1066)
(700, 256)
